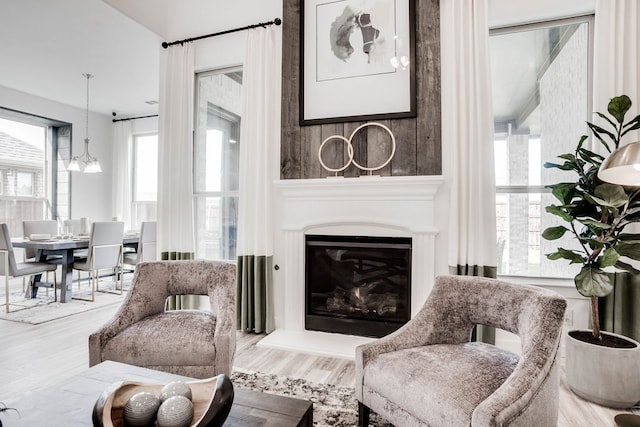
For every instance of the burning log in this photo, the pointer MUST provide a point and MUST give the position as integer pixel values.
(361, 299)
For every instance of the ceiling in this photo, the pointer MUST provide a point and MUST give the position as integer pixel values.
(48, 45)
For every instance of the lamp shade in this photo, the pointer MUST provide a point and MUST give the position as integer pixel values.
(622, 167)
(74, 165)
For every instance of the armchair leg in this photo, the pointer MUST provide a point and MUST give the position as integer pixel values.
(363, 415)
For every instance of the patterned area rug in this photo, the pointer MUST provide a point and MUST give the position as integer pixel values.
(42, 309)
(333, 405)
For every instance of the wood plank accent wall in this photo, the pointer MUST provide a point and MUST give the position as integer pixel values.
(418, 139)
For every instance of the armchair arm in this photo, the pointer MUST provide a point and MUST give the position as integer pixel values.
(530, 392)
(146, 297)
(223, 306)
(526, 398)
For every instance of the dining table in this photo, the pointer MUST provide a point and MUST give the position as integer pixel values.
(64, 248)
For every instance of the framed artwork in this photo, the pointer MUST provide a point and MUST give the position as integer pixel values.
(356, 60)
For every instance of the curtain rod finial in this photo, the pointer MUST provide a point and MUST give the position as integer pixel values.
(277, 21)
(165, 45)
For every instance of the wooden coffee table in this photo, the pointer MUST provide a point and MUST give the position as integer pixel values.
(70, 402)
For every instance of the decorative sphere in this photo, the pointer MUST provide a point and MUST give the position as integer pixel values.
(175, 388)
(140, 410)
(176, 411)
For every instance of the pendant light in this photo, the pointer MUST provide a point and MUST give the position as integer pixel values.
(85, 163)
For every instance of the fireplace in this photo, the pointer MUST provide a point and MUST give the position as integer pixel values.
(357, 285)
(398, 207)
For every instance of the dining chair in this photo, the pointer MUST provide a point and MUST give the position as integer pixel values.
(30, 227)
(146, 245)
(74, 227)
(11, 268)
(104, 252)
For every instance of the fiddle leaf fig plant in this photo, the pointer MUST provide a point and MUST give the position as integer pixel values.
(597, 213)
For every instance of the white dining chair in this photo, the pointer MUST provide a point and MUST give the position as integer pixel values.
(30, 227)
(74, 226)
(104, 252)
(11, 268)
(146, 250)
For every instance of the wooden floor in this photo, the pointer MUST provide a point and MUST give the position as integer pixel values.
(33, 356)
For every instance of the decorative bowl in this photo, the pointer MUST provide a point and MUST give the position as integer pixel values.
(211, 397)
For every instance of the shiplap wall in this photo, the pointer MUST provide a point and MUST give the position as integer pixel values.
(418, 139)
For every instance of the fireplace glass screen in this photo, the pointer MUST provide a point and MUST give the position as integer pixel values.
(357, 285)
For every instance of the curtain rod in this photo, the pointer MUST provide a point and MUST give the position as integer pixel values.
(276, 21)
(133, 118)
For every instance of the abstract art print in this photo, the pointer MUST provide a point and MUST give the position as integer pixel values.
(347, 60)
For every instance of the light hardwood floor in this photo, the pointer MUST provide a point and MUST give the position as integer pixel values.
(33, 356)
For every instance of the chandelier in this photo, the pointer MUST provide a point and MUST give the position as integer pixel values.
(85, 163)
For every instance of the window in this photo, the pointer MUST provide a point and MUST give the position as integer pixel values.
(216, 162)
(32, 185)
(145, 179)
(541, 100)
(24, 184)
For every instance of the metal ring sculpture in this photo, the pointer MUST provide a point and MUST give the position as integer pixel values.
(350, 150)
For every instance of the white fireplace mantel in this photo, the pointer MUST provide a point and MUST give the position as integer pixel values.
(365, 206)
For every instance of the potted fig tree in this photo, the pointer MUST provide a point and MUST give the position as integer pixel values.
(600, 366)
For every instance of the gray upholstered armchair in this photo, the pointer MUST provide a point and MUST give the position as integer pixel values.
(194, 343)
(428, 373)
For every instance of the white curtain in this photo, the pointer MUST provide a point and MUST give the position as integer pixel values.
(616, 62)
(615, 72)
(122, 139)
(467, 130)
(260, 144)
(175, 154)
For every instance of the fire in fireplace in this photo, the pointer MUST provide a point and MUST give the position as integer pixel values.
(357, 285)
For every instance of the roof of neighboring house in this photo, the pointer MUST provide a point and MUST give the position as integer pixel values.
(16, 152)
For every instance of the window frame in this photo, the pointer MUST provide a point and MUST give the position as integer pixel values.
(589, 19)
(55, 156)
(202, 195)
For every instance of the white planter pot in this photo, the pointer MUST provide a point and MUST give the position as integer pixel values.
(604, 375)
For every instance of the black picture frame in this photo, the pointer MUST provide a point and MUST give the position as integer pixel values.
(338, 82)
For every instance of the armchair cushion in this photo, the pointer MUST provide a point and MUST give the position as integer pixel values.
(187, 339)
(421, 378)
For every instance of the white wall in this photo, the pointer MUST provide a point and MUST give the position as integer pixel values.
(90, 193)
(221, 51)
(189, 18)
(148, 125)
(153, 14)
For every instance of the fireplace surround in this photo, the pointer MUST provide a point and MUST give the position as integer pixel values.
(373, 206)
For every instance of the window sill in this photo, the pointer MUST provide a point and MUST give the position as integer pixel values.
(563, 286)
